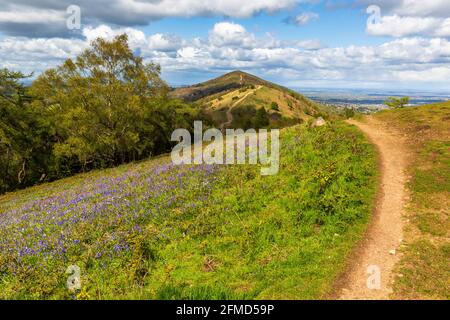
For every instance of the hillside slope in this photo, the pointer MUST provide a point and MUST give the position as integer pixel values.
(152, 230)
(233, 101)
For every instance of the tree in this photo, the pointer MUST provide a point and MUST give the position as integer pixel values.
(397, 102)
(261, 118)
(104, 108)
(23, 135)
(275, 106)
(107, 105)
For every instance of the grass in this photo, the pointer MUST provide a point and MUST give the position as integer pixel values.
(155, 231)
(292, 107)
(424, 270)
(244, 103)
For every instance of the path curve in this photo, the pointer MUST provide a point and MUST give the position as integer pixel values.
(230, 113)
(380, 246)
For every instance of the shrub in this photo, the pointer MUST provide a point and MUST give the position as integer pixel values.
(349, 113)
(397, 103)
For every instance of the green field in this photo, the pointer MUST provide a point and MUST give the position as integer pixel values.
(151, 230)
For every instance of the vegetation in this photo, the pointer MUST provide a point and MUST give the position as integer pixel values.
(157, 231)
(239, 89)
(103, 109)
(424, 272)
(261, 118)
(25, 137)
(274, 106)
(396, 103)
(349, 113)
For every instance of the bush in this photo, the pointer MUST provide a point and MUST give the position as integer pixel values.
(397, 103)
(290, 105)
(349, 113)
(261, 118)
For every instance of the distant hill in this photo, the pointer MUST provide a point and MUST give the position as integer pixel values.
(236, 100)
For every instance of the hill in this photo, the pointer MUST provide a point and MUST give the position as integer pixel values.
(233, 101)
(227, 82)
(152, 230)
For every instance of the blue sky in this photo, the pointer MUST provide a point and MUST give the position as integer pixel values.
(299, 43)
(339, 27)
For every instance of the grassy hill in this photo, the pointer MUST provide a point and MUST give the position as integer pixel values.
(152, 230)
(233, 100)
(424, 271)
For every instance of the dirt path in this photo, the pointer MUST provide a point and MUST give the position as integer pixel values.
(379, 249)
(229, 112)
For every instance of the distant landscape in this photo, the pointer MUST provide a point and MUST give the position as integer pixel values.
(369, 100)
(365, 100)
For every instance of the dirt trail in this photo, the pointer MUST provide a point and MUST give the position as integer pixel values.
(380, 247)
(229, 112)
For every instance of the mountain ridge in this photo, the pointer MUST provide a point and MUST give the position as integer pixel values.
(231, 80)
(232, 100)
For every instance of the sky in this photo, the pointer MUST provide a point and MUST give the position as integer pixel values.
(357, 44)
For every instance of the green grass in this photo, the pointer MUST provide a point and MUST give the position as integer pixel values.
(229, 233)
(424, 270)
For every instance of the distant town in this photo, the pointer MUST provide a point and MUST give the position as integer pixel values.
(365, 101)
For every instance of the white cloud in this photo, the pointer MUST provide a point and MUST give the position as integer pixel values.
(444, 29)
(398, 26)
(411, 17)
(164, 42)
(415, 8)
(190, 53)
(401, 26)
(27, 15)
(313, 44)
(230, 46)
(37, 55)
(424, 8)
(305, 18)
(231, 8)
(135, 36)
(428, 75)
(22, 17)
(230, 34)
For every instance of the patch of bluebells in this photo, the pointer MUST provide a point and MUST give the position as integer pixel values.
(98, 213)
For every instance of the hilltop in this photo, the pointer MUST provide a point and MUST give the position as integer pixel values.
(239, 99)
(225, 83)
